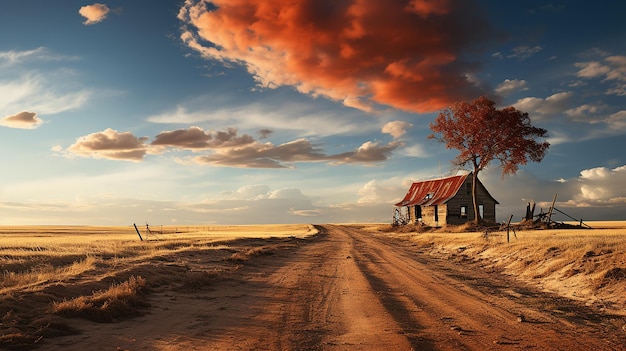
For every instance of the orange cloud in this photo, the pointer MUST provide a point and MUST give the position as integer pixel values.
(22, 120)
(94, 13)
(405, 54)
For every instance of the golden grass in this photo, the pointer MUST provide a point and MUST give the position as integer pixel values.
(118, 301)
(34, 256)
(105, 274)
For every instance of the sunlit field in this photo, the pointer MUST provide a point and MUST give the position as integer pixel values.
(103, 274)
(36, 255)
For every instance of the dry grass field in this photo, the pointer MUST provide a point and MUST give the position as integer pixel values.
(582, 264)
(101, 273)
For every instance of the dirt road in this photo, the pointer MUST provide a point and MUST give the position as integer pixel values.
(350, 290)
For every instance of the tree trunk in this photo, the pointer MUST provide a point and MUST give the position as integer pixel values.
(477, 218)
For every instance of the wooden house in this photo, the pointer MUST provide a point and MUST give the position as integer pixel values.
(444, 201)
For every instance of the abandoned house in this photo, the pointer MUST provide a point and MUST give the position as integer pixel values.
(444, 201)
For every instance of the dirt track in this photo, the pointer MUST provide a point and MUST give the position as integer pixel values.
(350, 290)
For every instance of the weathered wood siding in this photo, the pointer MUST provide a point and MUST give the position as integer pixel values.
(450, 212)
(464, 198)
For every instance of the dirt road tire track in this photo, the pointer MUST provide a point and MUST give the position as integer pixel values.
(347, 289)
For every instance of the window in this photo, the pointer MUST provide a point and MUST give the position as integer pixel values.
(428, 196)
(481, 211)
(463, 211)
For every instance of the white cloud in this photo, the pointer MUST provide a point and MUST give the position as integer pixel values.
(523, 52)
(609, 69)
(550, 106)
(396, 128)
(302, 118)
(601, 187)
(510, 86)
(24, 88)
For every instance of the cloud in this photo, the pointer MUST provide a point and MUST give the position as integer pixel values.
(94, 13)
(368, 153)
(195, 138)
(22, 120)
(396, 128)
(601, 187)
(110, 144)
(617, 121)
(23, 88)
(524, 52)
(610, 69)
(596, 194)
(228, 149)
(268, 155)
(304, 119)
(550, 106)
(511, 86)
(405, 55)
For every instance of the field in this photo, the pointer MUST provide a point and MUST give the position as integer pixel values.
(54, 278)
(100, 273)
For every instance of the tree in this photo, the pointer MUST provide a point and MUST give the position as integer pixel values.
(483, 133)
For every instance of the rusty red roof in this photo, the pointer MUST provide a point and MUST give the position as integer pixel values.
(433, 192)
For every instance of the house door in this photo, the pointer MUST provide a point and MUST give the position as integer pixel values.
(436, 213)
(418, 213)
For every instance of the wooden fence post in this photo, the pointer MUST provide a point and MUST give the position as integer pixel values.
(137, 230)
(508, 228)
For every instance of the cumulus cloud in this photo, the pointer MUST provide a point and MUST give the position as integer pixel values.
(396, 128)
(110, 144)
(405, 55)
(228, 149)
(22, 120)
(596, 194)
(601, 187)
(510, 86)
(94, 13)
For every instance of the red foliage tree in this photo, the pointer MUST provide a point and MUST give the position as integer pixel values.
(483, 133)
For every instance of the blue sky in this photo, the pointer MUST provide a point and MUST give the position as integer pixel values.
(231, 112)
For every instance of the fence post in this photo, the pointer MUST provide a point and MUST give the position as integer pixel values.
(508, 228)
(137, 230)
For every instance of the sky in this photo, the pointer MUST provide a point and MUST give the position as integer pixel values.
(299, 111)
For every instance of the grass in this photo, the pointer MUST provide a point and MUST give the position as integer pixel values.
(118, 301)
(32, 257)
(50, 275)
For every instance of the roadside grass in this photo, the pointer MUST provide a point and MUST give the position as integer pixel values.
(118, 301)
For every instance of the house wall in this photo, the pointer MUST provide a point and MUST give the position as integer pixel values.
(428, 215)
(450, 213)
(464, 198)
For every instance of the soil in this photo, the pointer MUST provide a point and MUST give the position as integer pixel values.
(345, 289)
